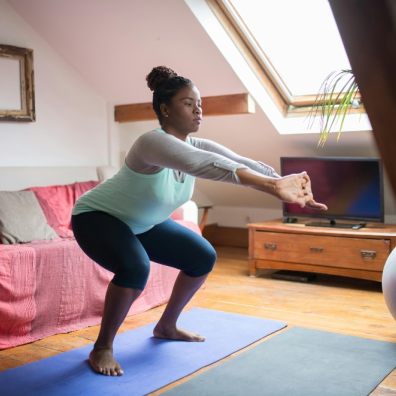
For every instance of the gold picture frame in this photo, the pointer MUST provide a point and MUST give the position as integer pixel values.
(16, 84)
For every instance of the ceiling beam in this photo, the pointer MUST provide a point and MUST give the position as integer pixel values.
(211, 105)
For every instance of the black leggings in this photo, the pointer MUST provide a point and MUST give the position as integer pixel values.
(111, 243)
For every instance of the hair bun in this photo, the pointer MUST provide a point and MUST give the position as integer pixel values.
(158, 76)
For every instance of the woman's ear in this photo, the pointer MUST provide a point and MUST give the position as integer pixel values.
(164, 110)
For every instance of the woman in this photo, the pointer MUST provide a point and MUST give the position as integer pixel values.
(124, 222)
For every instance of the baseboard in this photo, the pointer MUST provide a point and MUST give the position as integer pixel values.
(226, 236)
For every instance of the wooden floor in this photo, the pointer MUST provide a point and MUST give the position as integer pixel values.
(340, 305)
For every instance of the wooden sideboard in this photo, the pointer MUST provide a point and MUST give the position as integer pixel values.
(357, 253)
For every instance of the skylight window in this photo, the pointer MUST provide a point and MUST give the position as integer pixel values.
(298, 41)
(282, 51)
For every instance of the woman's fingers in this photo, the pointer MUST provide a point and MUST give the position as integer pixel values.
(311, 203)
(296, 188)
(316, 205)
(308, 195)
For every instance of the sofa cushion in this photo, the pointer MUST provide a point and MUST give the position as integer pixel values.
(22, 218)
(57, 202)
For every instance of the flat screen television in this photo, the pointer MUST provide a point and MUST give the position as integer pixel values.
(351, 187)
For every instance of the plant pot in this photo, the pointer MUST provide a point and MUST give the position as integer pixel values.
(389, 282)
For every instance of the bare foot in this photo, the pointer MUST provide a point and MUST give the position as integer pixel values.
(173, 333)
(103, 362)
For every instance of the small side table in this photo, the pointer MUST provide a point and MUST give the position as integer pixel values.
(205, 215)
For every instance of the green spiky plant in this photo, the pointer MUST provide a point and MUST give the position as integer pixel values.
(337, 95)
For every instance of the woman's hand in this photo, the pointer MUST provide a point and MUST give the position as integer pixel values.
(296, 188)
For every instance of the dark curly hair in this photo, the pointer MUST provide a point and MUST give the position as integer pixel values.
(165, 83)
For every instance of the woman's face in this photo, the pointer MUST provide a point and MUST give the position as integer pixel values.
(183, 114)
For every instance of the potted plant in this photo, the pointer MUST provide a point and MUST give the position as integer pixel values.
(337, 96)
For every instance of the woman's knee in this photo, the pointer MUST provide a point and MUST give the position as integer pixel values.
(134, 276)
(202, 263)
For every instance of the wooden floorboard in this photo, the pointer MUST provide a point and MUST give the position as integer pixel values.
(341, 305)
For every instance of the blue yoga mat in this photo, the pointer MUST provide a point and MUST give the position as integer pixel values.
(148, 363)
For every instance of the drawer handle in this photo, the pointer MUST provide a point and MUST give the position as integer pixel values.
(368, 254)
(316, 249)
(270, 246)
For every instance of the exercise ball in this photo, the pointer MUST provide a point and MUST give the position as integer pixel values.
(389, 282)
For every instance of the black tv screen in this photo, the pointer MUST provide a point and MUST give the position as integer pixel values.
(351, 187)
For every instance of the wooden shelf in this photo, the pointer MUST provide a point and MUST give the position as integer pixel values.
(296, 247)
(211, 105)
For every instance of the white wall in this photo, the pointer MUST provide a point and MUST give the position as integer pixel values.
(71, 119)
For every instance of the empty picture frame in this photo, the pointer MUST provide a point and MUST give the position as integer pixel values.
(16, 84)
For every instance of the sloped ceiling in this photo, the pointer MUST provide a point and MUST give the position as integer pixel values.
(114, 44)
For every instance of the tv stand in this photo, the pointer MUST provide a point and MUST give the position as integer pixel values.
(335, 224)
(356, 253)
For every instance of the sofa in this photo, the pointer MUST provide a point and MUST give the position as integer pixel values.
(47, 284)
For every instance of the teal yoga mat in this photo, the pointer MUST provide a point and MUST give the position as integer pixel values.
(149, 363)
(298, 362)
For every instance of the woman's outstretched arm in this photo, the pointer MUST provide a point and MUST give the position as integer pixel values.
(214, 147)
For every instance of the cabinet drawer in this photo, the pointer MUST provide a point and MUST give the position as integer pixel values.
(345, 252)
